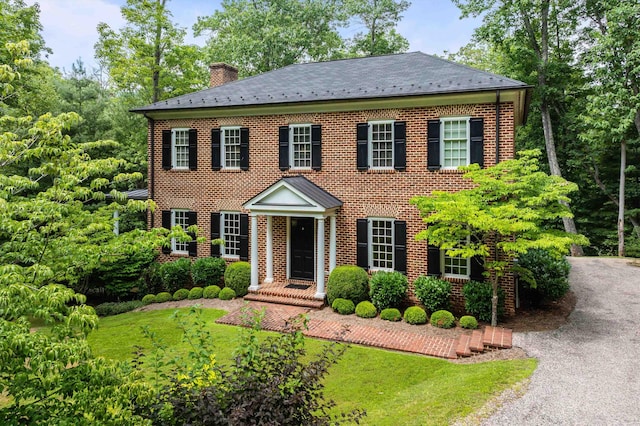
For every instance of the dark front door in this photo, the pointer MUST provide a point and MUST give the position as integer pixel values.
(302, 244)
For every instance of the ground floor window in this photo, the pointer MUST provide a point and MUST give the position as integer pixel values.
(179, 218)
(381, 244)
(230, 233)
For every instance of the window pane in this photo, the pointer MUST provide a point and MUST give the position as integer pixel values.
(455, 143)
(232, 148)
(382, 244)
(231, 233)
(181, 148)
(301, 146)
(382, 145)
(181, 219)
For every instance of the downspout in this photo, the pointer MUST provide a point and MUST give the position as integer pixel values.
(497, 126)
(152, 168)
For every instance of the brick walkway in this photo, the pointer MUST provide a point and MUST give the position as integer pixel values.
(278, 318)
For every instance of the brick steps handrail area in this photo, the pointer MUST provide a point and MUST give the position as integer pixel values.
(277, 318)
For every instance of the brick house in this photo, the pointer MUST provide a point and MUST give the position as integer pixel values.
(312, 166)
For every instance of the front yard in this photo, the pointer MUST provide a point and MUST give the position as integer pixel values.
(394, 388)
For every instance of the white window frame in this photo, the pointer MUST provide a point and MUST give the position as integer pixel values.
(467, 266)
(391, 222)
(467, 160)
(174, 148)
(293, 143)
(178, 247)
(370, 144)
(223, 146)
(224, 236)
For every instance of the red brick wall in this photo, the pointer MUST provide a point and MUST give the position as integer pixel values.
(364, 193)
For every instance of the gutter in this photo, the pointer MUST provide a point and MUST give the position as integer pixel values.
(497, 126)
(152, 168)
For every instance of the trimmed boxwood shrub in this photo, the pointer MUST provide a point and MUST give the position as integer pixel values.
(211, 292)
(164, 296)
(432, 292)
(366, 309)
(227, 294)
(415, 315)
(176, 275)
(238, 278)
(469, 322)
(443, 319)
(477, 299)
(195, 293)
(387, 289)
(391, 314)
(181, 294)
(115, 308)
(343, 306)
(208, 271)
(551, 274)
(149, 299)
(348, 282)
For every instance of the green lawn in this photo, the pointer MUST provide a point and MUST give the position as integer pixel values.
(394, 388)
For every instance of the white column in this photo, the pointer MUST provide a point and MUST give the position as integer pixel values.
(254, 253)
(332, 243)
(269, 269)
(320, 293)
(116, 222)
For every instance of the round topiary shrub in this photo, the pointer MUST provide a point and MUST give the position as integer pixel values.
(443, 319)
(164, 296)
(391, 314)
(432, 292)
(387, 289)
(211, 292)
(415, 315)
(366, 309)
(551, 274)
(343, 306)
(149, 299)
(181, 294)
(208, 271)
(195, 293)
(469, 322)
(238, 277)
(176, 275)
(477, 299)
(227, 294)
(348, 282)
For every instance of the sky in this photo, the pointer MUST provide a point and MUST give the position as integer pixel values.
(431, 26)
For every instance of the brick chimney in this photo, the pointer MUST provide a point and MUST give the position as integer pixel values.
(222, 73)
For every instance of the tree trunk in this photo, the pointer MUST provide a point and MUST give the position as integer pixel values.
(621, 203)
(494, 301)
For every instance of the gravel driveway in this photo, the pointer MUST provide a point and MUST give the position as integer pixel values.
(589, 369)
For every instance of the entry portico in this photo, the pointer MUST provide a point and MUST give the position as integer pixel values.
(305, 206)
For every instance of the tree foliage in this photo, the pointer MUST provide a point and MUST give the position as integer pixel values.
(379, 19)
(506, 213)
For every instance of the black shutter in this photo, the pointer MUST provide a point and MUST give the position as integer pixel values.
(476, 133)
(244, 237)
(166, 149)
(477, 268)
(215, 233)
(216, 162)
(433, 145)
(362, 253)
(400, 145)
(193, 149)
(400, 246)
(166, 224)
(193, 244)
(316, 147)
(244, 148)
(283, 148)
(363, 146)
(433, 261)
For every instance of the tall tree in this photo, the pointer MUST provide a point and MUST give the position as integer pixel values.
(542, 31)
(379, 18)
(262, 35)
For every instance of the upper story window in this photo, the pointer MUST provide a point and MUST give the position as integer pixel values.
(180, 149)
(300, 147)
(381, 145)
(231, 147)
(455, 141)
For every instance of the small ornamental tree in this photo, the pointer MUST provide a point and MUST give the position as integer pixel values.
(508, 209)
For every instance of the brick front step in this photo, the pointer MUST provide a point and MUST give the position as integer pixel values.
(476, 343)
(497, 337)
(283, 300)
(462, 346)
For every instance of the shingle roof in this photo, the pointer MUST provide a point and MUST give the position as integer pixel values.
(406, 74)
(313, 191)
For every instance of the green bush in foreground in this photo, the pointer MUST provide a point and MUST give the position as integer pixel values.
(176, 274)
(366, 309)
(348, 282)
(149, 299)
(115, 308)
(477, 300)
(387, 289)
(164, 296)
(181, 294)
(238, 277)
(415, 315)
(343, 306)
(211, 292)
(227, 294)
(208, 271)
(391, 314)
(469, 322)
(443, 319)
(195, 293)
(432, 292)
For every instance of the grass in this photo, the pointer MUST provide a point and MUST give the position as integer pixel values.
(394, 388)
